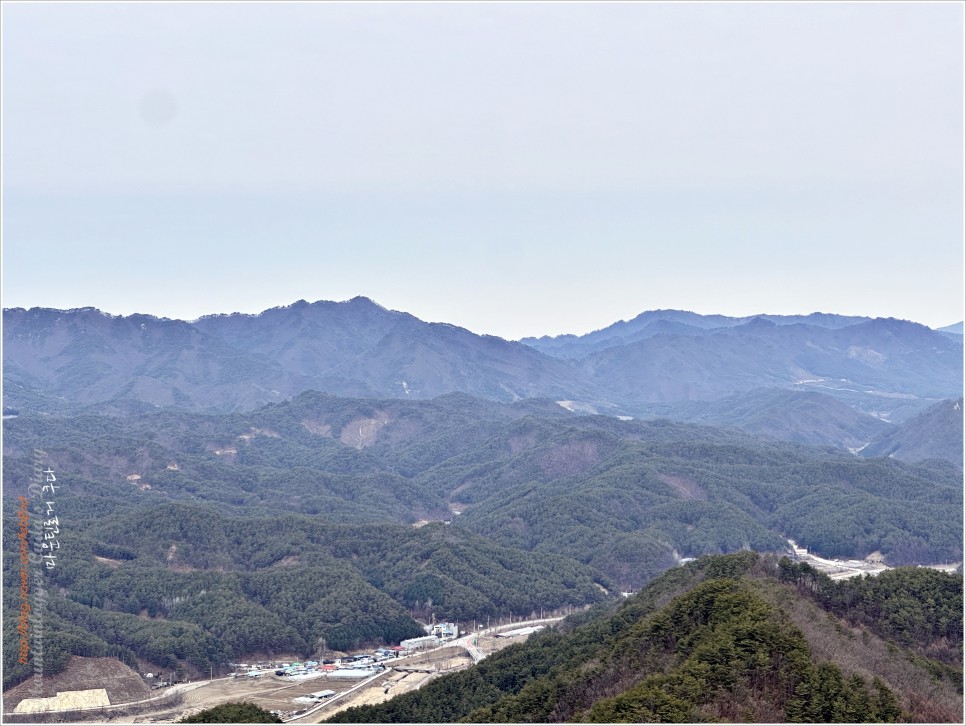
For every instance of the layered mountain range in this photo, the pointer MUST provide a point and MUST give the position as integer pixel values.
(198, 539)
(229, 362)
(247, 483)
(819, 378)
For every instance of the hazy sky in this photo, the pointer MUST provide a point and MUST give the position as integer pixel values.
(517, 169)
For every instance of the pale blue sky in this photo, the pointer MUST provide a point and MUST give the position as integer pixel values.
(518, 169)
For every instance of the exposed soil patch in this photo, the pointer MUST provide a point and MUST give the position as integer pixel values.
(687, 488)
(81, 674)
(317, 427)
(287, 561)
(361, 432)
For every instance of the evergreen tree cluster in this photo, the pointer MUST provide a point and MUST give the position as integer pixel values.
(721, 639)
(237, 713)
(192, 538)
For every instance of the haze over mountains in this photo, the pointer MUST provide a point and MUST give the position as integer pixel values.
(227, 362)
(674, 322)
(243, 484)
(819, 378)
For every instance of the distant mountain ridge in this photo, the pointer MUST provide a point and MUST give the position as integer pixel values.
(237, 361)
(69, 360)
(681, 322)
(873, 366)
(953, 332)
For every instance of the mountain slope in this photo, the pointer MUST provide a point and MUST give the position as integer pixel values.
(733, 638)
(58, 360)
(64, 361)
(184, 585)
(876, 363)
(85, 356)
(424, 360)
(307, 338)
(627, 498)
(934, 434)
(805, 417)
(673, 322)
(547, 507)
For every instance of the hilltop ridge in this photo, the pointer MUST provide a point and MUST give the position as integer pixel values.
(63, 360)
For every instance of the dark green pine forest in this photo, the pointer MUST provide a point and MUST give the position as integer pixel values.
(193, 539)
(743, 637)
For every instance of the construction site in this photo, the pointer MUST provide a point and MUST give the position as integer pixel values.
(838, 569)
(301, 699)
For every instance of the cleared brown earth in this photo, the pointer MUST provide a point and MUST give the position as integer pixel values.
(121, 683)
(276, 694)
(395, 683)
(416, 673)
(268, 692)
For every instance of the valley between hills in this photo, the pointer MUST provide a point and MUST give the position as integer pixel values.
(339, 477)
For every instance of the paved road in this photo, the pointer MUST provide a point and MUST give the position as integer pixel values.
(465, 641)
(468, 641)
(336, 697)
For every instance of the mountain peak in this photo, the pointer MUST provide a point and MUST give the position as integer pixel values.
(758, 323)
(363, 300)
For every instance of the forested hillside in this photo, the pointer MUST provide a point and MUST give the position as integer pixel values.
(194, 538)
(802, 416)
(937, 433)
(682, 322)
(730, 638)
(62, 360)
(180, 585)
(624, 497)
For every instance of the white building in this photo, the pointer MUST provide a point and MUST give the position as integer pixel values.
(426, 641)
